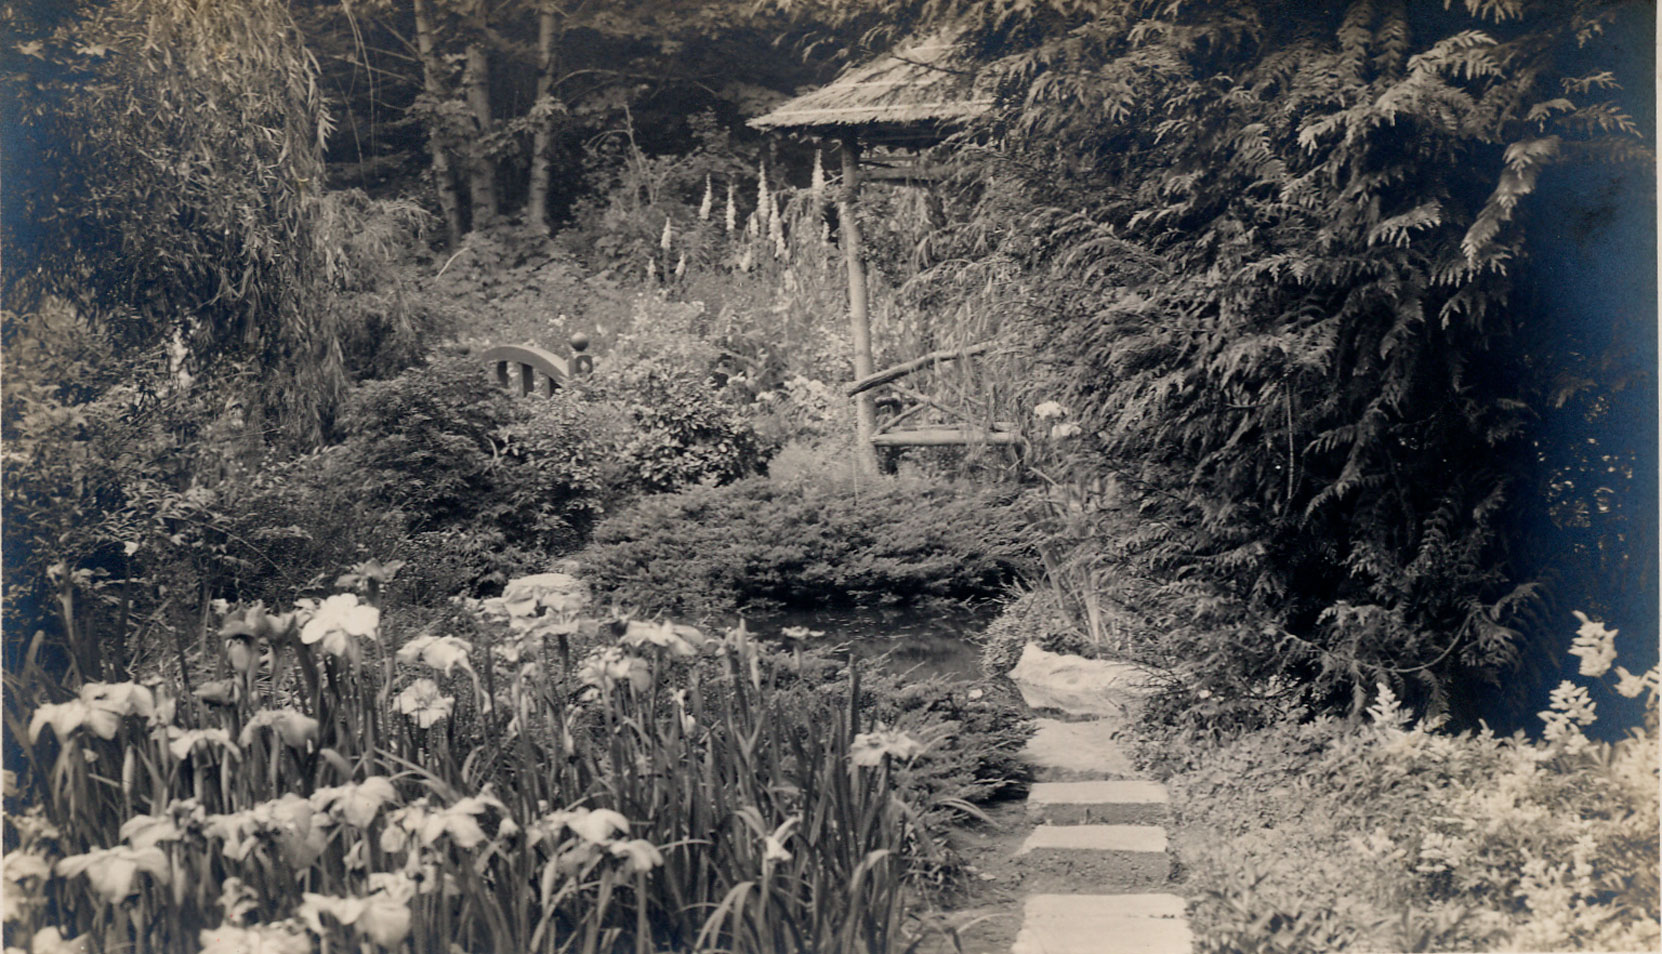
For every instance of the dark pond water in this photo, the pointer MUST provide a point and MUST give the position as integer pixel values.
(926, 641)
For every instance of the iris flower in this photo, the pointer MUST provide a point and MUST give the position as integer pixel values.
(383, 916)
(869, 747)
(639, 854)
(148, 831)
(98, 706)
(609, 665)
(356, 802)
(459, 821)
(48, 940)
(559, 592)
(181, 742)
(295, 728)
(678, 639)
(278, 938)
(338, 622)
(111, 871)
(424, 702)
(441, 653)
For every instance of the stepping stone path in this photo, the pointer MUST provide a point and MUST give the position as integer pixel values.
(1096, 863)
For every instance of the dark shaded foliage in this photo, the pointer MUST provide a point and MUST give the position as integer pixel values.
(1266, 252)
(759, 543)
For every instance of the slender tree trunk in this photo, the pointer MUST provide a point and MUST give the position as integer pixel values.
(542, 140)
(865, 408)
(481, 176)
(449, 200)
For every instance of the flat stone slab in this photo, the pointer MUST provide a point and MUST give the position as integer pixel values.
(1073, 685)
(1094, 858)
(1072, 907)
(1107, 802)
(1098, 924)
(1120, 838)
(1073, 750)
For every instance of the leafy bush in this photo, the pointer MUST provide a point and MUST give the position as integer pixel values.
(465, 483)
(497, 792)
(683, 429)
(761, 542)
(1324, 835)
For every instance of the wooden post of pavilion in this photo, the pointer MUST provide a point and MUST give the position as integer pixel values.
(865, 406)
(909, 99)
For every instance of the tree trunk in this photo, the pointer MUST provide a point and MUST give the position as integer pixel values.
(865, 409)
(542, 139)
(481, 178)
(449, 200)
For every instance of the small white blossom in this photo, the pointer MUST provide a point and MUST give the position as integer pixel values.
(1595, 645)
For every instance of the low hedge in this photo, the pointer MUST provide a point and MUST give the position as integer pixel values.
(761, 543)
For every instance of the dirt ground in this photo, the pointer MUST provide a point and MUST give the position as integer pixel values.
(987, 914)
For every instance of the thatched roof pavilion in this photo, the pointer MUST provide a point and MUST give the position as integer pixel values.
(911, 96)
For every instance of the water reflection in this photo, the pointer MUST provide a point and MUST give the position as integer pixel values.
(926, 641)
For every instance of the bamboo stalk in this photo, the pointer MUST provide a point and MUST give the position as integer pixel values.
(865, 409)
(868, 381)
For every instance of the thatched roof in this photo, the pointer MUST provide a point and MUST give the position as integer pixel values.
(911, 93)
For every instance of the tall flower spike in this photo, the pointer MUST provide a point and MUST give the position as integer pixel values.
(663, 242)
(708, 200)
(762, 194)
(732, 208)
(817, 185)
(776, 231)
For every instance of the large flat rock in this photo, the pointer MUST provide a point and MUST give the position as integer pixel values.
(1060, 751)
(1116, 802)
(1075, 686)
(1104, 924)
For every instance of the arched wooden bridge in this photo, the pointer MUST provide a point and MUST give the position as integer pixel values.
(524, 368)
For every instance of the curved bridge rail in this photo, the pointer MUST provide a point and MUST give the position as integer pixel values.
(527, 364)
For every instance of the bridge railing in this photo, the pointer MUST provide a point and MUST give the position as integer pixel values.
(528, 369)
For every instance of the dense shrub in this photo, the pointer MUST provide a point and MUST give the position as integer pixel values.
(761, 542)
(1325, 835)
(462, 481)
(683, 428)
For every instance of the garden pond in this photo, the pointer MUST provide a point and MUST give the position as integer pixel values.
(926, 639)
